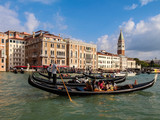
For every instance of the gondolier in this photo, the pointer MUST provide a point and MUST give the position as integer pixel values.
(49, 69)
(54, 72)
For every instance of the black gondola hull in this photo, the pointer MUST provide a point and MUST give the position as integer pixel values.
(75, 92)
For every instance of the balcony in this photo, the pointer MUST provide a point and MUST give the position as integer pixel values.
(61, 56)
(43, 55)
(89, 63)
(52, 56)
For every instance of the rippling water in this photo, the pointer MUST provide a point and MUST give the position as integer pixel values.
(20, 101)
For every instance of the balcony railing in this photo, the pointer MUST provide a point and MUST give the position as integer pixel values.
(43, 55)
(52, 56)
(61, 56)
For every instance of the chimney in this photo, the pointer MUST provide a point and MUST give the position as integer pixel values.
(41, 33)
(33, 34)
(59, 35)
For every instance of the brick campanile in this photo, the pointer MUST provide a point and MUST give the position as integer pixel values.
(121, 45)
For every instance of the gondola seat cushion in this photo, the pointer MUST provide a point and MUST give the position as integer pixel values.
(80, 89)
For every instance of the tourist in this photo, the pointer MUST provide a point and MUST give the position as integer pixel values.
(101, 85)
(94, 86)
(54, 72)
(49, 69)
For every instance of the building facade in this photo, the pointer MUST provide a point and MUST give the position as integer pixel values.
(131, 63)
(81, 55)
(108, 61)
(15, 48)
(43, 48)
(3, 51)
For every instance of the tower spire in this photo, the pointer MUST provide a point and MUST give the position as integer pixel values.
(121, 44)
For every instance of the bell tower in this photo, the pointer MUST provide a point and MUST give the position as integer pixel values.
(121, 45)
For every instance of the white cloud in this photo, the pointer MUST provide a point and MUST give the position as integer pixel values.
(128, 26)
(107, 43)
(47, 25)
(60, 22)
(134, 6)
(145, 2)
(9, 20)
(40, 1)
(141, 39)
(32, 23)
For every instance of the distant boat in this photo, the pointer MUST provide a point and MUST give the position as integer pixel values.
(124, 73)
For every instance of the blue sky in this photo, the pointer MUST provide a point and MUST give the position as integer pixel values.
(92, 21)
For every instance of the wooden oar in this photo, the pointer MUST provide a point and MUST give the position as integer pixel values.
(65, 86)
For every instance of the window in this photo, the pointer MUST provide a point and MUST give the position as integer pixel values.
(2, 60)
(46, 52)
(63, 62)
(13, 41)
(45, 44)
(76, 54)
(58, 61)
(71, 53)
(52, 61)
(52, 45)
(2, 66)
(58, 45)
(2, 40)
(63, 46)
(52, 52)
(45, 61)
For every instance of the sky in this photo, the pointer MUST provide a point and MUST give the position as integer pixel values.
(91, 21)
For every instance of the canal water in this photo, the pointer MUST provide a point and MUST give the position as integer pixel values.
(20, 101)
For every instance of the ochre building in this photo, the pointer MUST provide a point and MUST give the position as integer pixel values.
(81, 55)
(43, 48)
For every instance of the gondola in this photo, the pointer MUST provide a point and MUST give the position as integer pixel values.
(74, 83)
(15, 71)
(79, 91)
(22, 71)
(58, 77)
(69, 83)
(117, 79)
(94, 77)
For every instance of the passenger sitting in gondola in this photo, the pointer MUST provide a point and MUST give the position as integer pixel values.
(109, 86)
(88, 86)
(101, 85)
(94, 86)
(76, 80)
